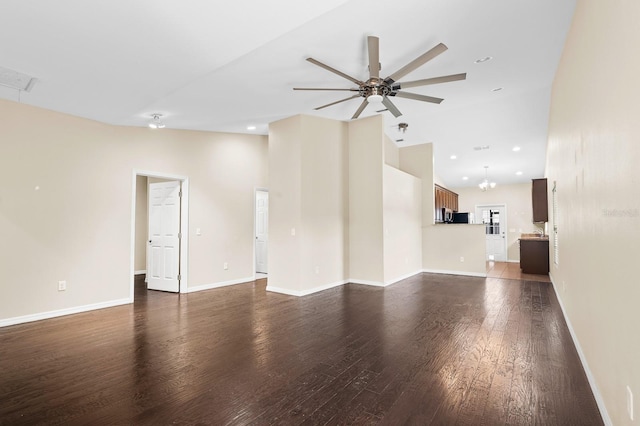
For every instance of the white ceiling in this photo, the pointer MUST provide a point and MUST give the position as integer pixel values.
(221, 66)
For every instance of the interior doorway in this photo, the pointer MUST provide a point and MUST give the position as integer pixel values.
(261, 232)
(494, 218)
(140, 228)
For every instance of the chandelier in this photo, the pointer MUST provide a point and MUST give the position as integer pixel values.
(485, 184)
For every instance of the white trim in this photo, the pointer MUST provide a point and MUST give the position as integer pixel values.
(219, 284)
(62, 312)
(365, 282)
(300, 293)
(184, 227)
(513, 260)
(466, 274)
(143, 271)
(592, 381)
(404, 277)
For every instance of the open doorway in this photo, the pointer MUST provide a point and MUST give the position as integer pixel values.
(261, 232)
(159, 198)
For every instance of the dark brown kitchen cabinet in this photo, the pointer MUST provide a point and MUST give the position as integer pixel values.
(539, 200)
(534, 256)
(444, 199)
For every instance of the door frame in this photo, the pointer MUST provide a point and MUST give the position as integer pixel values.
(506, 228)
(255, 195)
(184, 227)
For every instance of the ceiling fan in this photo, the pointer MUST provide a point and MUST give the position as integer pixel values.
(376, 89)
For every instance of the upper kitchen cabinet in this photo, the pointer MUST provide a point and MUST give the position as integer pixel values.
(444, 199)
(539, 200)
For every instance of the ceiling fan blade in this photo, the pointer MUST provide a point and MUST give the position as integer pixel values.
(417, 97)
(337, 102)
(428, 81)
(418, 62)
(322, 88)
(391, 107)
(361, 108)
(374, 56)
(335, 71)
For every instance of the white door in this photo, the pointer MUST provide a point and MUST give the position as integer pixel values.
(262, 230)
(164, 242)
(494, 219)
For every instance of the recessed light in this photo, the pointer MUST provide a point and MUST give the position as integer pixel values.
(518, 173)
(465, 177)
(485, 59)
(497, 89)
(251, 127)
(453, 157)
(516, 148)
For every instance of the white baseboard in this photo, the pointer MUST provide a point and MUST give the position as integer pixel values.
(466, 274)
(62, 312)
(143, 271)
(365, 282)
(301, 293)
(404, 277)
(220, 284)
(592, 381)
(513, 260)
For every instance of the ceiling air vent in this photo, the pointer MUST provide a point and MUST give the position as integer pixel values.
(16, 80)
(480, 148)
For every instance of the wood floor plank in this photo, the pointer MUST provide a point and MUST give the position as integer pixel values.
(432, 349)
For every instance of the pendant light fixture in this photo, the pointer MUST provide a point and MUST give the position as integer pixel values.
(485, 184)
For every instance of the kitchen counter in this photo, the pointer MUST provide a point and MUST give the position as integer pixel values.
(534, 237)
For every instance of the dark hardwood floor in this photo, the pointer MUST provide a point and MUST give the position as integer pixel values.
(433, 349)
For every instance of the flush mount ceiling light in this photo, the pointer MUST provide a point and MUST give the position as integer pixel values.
(16, 80)
(519, 173)
(485, 184)
(465, 177)
(453, 157)
(251, 127)
(516, 148)
(156, 122)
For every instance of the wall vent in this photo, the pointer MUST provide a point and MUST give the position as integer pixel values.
(16, 80)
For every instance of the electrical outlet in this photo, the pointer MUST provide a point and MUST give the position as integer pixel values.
(461, 258)
(225, 266)
(293, 232)
(62, 285)
(630, 403)
(317, 269)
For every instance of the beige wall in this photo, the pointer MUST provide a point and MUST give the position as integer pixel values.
(391, 153)
(402, 204)
(446, 244)
(366, 243)
(77, 225)
(593, 155)
(516, 197)
(309, 192)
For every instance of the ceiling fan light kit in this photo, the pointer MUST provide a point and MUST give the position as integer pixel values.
(376, 90)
